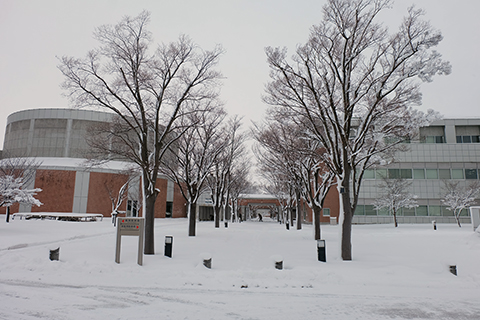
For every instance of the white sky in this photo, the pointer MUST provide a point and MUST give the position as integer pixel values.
(33, 33)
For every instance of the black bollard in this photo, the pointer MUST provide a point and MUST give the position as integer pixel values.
(453, 270)
(55, 254)
(207, 263)
(434, 223)
(321, 250)
(288, 226)
(168, 246)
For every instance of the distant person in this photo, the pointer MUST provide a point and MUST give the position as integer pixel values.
(260, 218)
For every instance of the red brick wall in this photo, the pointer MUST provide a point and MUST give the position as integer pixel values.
(179, 203)
(58, 188)
(98, 192)
(161, 202)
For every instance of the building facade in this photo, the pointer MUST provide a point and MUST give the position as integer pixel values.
(448, 149)
(56, 139)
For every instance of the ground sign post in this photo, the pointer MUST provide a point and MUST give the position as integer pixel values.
(130, 227)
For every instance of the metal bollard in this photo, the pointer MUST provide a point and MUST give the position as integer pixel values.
(453, 270)
(207, 260)
(434, 223)
(55, 254)
(168, 246)
(321, 250)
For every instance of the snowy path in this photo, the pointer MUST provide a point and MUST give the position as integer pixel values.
(398, 274)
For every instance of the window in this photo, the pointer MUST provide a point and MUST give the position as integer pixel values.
(400, 173)
(444, 173)
(326, 212)
(457, 174)
(394, 173)
(369, 174)
(418, 173)
(468, 139)
(422, 211)
(432, 173)
(408, 212)
(434, 139)
(470, 173)
(370, 210)
(434, 210)
(381, 173)
(359, 210)
(383, 212)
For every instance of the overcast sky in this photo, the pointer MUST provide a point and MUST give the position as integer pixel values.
(34, 33)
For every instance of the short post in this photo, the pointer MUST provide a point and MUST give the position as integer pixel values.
(207, 260)
(55, 254)
(453, 270)
(434, 223)
(278, 262)
(321, 250)
(288, 226)
(168, 246)
(226, 224)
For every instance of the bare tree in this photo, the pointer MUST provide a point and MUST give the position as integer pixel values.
(17, 176)
(459, 197)
(147, 91)
(352, 85)
(221, 172)
(196, 151)
(394, 197)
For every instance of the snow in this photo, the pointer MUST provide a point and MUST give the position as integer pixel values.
(397, 273)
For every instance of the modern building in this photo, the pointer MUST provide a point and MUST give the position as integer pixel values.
(448, 149)
(56, 139)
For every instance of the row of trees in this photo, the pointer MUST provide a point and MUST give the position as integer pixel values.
(341, 104)
(167, 114)
(349, 91)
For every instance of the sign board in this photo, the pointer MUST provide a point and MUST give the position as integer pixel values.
(130, 227)
(475, 216)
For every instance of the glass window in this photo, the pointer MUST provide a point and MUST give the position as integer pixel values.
(421, 211)
(418, 173)
(457, 174)
(394, 173)
(406, 173)
(369, 174)
(470, 173)
(409, 212)
(444, 173)
(466, 139)
(434, 210)
(381, 173)
(370, 211)
(429, 139)
(432, 173)
(326, 212)
(465, 213)
(383, 212)
(360, 210)
(438, 139)
(459, 139)
(446, 212)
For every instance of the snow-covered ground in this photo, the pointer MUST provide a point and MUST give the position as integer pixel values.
(397, 273)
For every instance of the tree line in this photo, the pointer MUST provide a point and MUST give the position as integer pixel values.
(340, 104)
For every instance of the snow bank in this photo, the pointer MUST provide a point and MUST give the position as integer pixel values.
(397, 273)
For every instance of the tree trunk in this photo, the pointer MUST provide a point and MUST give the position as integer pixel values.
(316, 219)
(217, 216)
(8, 214)
(299, 209)
(347, 221)
(395, 218)
(149, 224)
(192, 219)
(457, 217)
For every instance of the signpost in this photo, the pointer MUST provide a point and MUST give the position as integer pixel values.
(130, 227)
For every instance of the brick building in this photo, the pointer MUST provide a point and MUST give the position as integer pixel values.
(56, 139)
